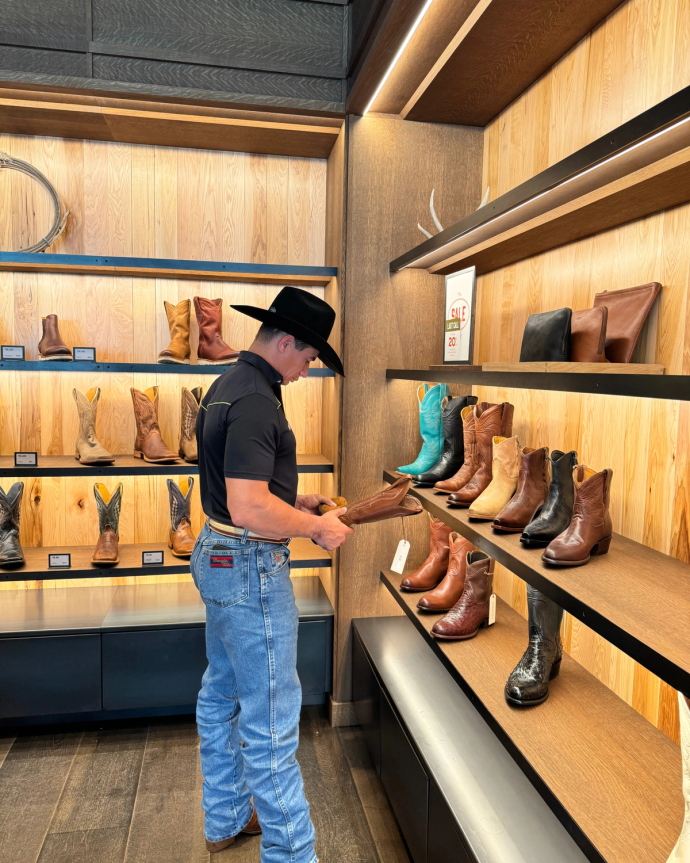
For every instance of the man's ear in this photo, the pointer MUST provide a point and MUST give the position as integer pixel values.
(285, 342)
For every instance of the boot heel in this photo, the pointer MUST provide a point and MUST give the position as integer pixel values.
(555, 669)
(601, 547)
(138, 454)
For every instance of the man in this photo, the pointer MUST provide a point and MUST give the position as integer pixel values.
(249, 705)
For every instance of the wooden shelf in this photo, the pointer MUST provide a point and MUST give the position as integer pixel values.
(165, 268)
(499, 51)
(676, 387)
(127, 368)
(617, 776)
(127, 465)
(304, 554)
(635, 597)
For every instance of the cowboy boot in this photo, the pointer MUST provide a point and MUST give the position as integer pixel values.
(11, 553)
(253, 828)
(453, 443)
(178, 351)
(148, 443)
(449, 591)
(681, 853)
(471, 611)
(489, 422)
(51, 346)
(87, 449)
(504, 471)
(590, 530)
(181, 539)
(532, 487)
(555, 515)
(107, 552)
(191, 399)
(429, 399)
(212, 350)
(392, 502)
(471, 463)
(528, 683)
(434, 567)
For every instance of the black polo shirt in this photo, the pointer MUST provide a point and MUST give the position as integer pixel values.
(242, 433)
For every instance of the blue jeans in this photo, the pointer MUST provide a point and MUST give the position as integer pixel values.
(249, 705)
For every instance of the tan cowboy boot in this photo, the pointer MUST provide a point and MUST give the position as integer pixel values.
(505, 469)
(212, 350)
(178, 351)
(148, 443)
(181, 539)
(107, 551)
(87, 449)
(191, 399)
(51, 346)
(252, 829)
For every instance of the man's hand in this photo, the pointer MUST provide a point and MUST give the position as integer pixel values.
(310, 503)
(330, 532)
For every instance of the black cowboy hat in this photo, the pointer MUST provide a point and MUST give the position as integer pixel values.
(304, 316)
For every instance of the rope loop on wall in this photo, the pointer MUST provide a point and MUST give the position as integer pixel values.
(60, 210)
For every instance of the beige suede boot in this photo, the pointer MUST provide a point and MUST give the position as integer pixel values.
(681, 853)
(178, 351)
(87, 449)
(505, 469)
(189, 408)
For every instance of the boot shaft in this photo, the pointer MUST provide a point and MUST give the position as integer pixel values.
(178, 324)
(506, 458)
(87, 406)
(592, 495)
(440, 534)
(489, 422)
(145, 411)
(459, 551)
(10, 508)
(189, 409)
(534, 469)
(108, 506)
(452, 421)
(544, 621)
(180, 498)
(209, 317)
(480, 575)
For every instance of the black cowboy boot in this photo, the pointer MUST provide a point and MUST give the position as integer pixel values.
(453, 453)
(557, 511)
(529, 682)
(11, 553)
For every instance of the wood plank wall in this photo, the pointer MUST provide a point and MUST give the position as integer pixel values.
(633, 60)
(149, 201)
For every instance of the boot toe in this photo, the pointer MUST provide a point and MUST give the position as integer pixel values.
(526, 692)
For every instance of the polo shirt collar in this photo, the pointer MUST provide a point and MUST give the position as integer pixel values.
(272, 376)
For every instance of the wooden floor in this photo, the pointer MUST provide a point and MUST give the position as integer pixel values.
(133, 794)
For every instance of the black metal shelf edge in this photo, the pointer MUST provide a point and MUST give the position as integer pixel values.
(115, 470)
(672, 387)
(125, 368)
(657, 663)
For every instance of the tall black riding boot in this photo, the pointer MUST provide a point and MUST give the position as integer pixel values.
(529, 682)
(11, 553)
(453, 453)
(555, 514)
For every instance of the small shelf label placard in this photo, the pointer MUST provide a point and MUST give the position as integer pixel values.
(26, 459)
(84, 355)
(152, 558)
(59, 561)
(12, 352)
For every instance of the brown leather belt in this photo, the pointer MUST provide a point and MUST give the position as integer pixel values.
(239, 532)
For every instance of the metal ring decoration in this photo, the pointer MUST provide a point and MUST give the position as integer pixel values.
(61, 211)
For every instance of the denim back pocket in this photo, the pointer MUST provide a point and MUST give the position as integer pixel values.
(223, 574)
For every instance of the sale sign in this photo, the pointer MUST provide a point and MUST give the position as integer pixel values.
(459, 317)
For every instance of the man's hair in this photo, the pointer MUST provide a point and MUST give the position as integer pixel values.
(266, 334)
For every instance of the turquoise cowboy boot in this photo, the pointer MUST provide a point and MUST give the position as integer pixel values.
(431, 428)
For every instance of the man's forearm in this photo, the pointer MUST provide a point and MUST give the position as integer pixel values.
(273, 518)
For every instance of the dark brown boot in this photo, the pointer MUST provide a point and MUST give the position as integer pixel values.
(471, 463)
(212, 351)
(253, 828)
(181, 539)
(148, 443)
(51, 346)
(590, 529)
(449, 591)
(107, 548)
(532, 488)
(489, 422)
(472, 609)
(11, 553)
(434, 567)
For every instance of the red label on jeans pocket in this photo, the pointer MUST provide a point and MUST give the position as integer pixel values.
(221, 562)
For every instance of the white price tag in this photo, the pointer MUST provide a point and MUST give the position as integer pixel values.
(152, 558)
(59, 561)
(84, 355)
(492, 609)
(12, 352)
(26, 459)
(398, 564)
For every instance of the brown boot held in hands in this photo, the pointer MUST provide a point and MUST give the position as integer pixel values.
(471, 611)
(449, 591)
(178, 351)
(392, 502)
(181, 539)
(87, 449)
(189, 408)
(107, 548)
(434, 567)
(590, 530)
(532, 488)
(51, 346)
(252, 829)
(148, 443)
(212, 350)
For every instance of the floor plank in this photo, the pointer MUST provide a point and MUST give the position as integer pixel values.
(85, 846)
(32, 778)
